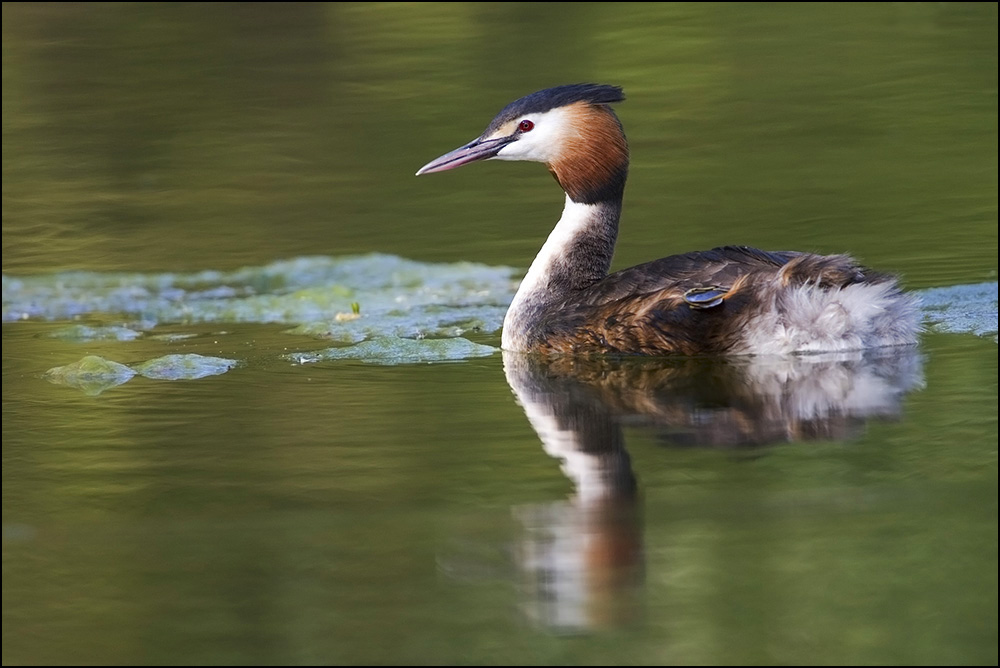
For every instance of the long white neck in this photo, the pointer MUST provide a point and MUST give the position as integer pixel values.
(576, 255)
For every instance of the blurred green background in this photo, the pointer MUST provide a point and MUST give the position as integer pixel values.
(173, 137)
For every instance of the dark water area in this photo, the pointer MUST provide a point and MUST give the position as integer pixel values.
(205, 198)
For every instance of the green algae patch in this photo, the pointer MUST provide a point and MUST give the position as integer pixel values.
(92, 375)
(344, 299)
(88, 333)
(178, 336)
(391, 350)
(341, 332)
(184, 367)
(390, 295)
(962, 308)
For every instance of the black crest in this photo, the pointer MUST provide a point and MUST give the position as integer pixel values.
(553, 98)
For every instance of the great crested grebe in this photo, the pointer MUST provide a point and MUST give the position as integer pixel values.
(729, 300)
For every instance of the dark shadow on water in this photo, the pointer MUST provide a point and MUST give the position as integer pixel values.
(581, 560)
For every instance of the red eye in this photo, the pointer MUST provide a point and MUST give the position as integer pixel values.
(525, 125)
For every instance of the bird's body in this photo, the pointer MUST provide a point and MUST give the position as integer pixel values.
(729, 300)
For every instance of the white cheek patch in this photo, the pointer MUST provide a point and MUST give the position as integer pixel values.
(541, 143)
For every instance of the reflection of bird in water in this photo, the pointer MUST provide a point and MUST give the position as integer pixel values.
(727, 300)
(582, 558)
(742, 401)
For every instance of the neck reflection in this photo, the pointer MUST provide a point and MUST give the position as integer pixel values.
(582, 559)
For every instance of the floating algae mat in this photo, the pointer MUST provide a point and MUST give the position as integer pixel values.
(389, 295)
(94, 374)
(376, 308)
(394, 350)
(184, 367)
(346, 299)
(404, 311)
(962, 308)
